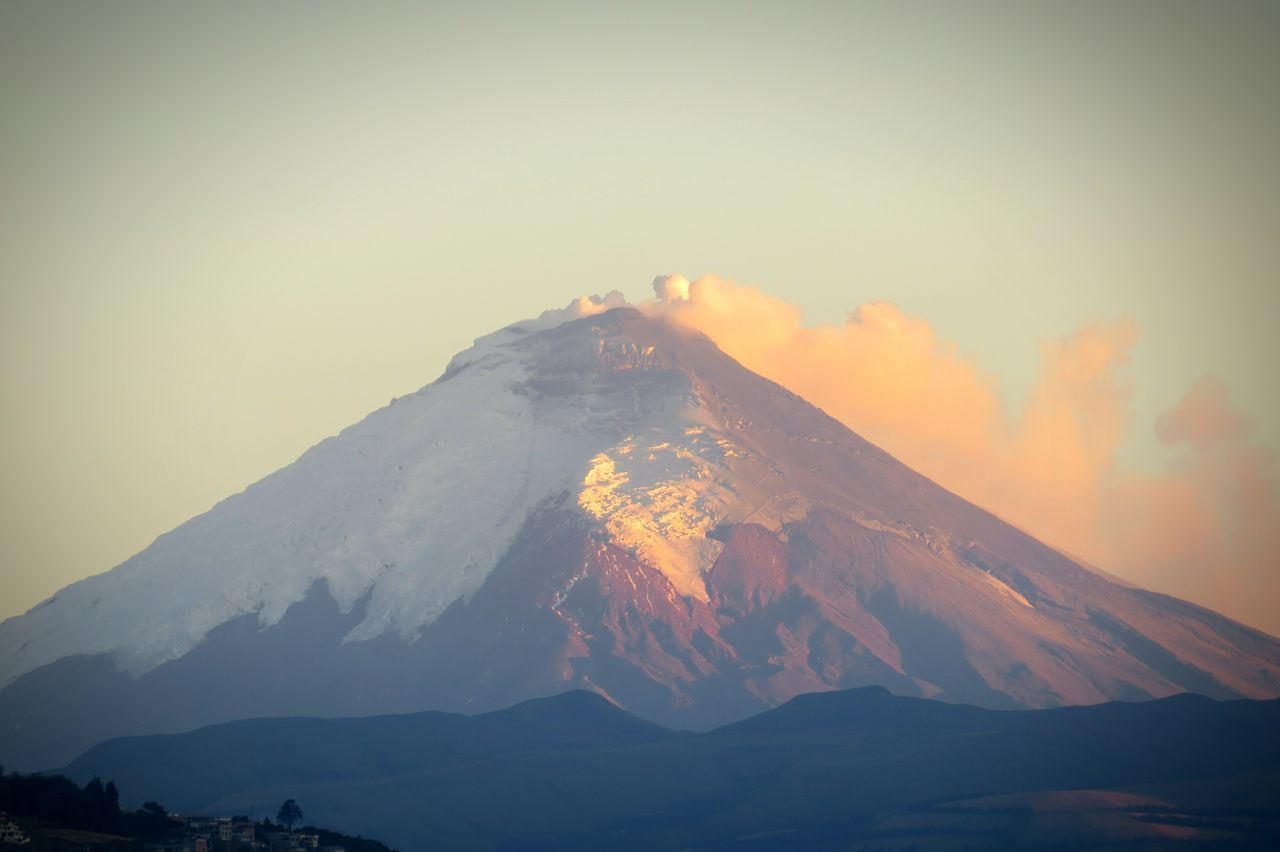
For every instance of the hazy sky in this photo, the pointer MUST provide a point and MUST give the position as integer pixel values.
(229, 230)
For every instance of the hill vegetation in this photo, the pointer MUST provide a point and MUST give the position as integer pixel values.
(52, 812)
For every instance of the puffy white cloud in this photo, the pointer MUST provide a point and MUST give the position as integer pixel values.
(671, 288)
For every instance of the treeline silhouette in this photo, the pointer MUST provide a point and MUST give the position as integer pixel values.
(57, 800)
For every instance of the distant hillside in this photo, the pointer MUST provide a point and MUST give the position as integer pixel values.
(825, 770)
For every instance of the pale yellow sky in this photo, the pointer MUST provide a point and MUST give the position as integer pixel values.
(229, 230)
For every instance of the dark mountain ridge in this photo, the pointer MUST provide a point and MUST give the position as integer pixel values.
(824, 769)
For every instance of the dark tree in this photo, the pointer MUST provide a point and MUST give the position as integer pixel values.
(289, 813)
(57, 799)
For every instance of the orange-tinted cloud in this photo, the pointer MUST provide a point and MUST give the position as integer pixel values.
(1209, 530)
(1206, 530)
(1203, 418)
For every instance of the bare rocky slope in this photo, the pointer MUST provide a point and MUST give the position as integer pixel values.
(607, 503)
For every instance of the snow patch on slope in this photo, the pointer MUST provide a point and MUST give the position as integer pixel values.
(660, 494)
(1005, 589)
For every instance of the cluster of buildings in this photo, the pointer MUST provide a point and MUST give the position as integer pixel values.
(227, 834)
(11, 832)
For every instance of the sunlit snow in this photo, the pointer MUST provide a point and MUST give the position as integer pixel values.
(414, 505)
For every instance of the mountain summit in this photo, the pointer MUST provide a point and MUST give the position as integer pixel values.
(608, 503)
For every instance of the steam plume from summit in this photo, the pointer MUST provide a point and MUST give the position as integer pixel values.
(1207, 529)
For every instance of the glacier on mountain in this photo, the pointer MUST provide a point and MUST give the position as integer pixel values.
(415, 504)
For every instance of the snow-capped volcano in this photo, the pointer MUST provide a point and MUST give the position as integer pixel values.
(605, 502)
(413, 506)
